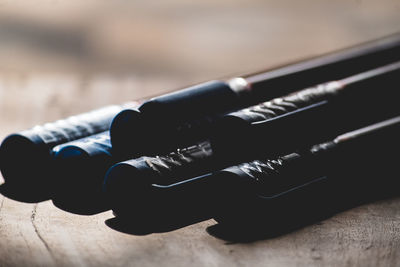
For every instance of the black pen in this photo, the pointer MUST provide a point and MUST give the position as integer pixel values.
(26, 156)
(346, 61)
(309, 115)
(183, 117)
(37, 142)
(350, 166)
(277, 126)
(354, 166)
(81, 165)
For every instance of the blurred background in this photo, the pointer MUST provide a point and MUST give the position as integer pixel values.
(60, 57)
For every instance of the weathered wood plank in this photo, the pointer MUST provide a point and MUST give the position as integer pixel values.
(188, 44)
(43, 235)
(38, 235)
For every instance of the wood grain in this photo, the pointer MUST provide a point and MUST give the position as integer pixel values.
(192, 43)
(40, 234)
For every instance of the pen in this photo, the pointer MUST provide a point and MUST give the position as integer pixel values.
(277, 126)
(283, 124)
(357, 165)
(183, 117)
(316, 179)
(77, 159)
(81, 164)
(25, 156)
(309, 115)
(33, 145)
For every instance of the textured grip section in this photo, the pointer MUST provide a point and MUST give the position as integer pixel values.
(182, 159)
(260, 170)
(93, 145)
(75, 127)
(271, 177)
(278, 106)
(274, 176)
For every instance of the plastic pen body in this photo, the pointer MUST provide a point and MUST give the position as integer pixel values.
(310, 115)
(328, 177)
(25, 156)
(306, 183)
(332, 66)
(277, 126)
(82, 165)
(184, 117)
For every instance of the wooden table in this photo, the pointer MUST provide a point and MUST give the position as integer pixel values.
(173, 55)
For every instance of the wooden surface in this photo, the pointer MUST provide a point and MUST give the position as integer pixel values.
(175, 44)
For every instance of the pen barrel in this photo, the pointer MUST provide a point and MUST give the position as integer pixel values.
(82, 164)
(321, 180)
(167, 122)
(200, 100)
(72, 128)
(261, 191)
(32, 148)
(192, 106)
(333, 66)
(308, 116)
(163, 169)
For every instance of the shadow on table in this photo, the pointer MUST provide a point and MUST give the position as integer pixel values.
(275, 227)
(233, 233)
(229, 232)
(73, 201)
(140, 226)
(243, 228)
(26, 193)
(81, 204)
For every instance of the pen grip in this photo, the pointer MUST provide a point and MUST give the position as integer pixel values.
(196, 101)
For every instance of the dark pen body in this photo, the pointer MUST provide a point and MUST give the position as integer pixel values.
(181, 118)
(81, 165)
(354, 167)
(270, 192)
(309, 115)
(26, 156)
(272, 128)
(312, 101)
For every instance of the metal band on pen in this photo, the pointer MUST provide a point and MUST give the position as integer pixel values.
(240, 85)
